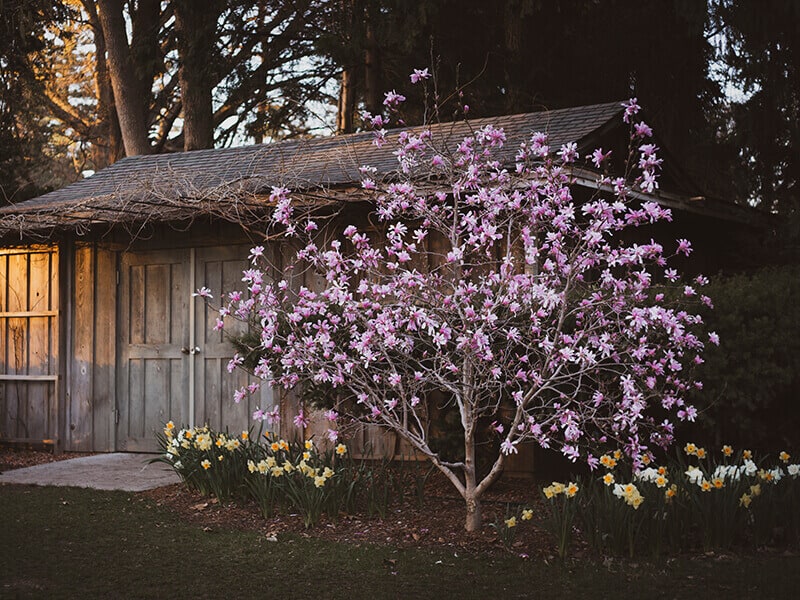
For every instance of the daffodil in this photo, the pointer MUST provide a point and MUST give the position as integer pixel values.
(745, 500)
(608, 479)
(527, 514)
(206, 464)
(341, 450)
(511, 522)
(308, 444)
(747, 454)
(245, 436)
(727, 450)
(690, 449)
(705, 485)
(319, 481)
(671, 492)
(274, 446)
(784, 456)
(700, 453)
(571, 490)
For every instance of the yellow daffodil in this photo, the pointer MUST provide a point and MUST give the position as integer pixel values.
(661, 481)
(745, 500)
(245, 436)
(206, 464)
(718, 483)
(511, 522)
(747, 454)
(755, 490)
(309, 444)
(727, 450)
(284, 445)
(341, 450)
(571, 490)
(690, 449)
(670, 493)
(527, 514)
(274, 446)
(608, 479)
(700, 453)
(784, 456)
(319, 481)
(705, 485)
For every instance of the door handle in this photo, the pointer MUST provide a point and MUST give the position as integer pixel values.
(192, 351)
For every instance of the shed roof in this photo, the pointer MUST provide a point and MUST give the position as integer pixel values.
(223, 181)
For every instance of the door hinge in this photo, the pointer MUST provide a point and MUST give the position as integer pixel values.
(116, 416)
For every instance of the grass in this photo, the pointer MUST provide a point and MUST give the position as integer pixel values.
(76, 543)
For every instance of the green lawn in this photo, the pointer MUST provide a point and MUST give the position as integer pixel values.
(73, 543)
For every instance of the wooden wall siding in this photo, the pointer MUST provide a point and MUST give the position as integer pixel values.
(90, 396)
(29, 343)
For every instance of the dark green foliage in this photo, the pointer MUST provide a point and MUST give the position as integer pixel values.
(752, 380)
(760, 57)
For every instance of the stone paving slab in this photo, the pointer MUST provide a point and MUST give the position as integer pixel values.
(117, 471)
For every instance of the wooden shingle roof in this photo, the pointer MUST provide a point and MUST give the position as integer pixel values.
(168, 187)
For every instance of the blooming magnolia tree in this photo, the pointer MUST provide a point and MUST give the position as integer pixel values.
(490, 284)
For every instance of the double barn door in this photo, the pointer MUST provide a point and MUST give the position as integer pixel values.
(171, 364)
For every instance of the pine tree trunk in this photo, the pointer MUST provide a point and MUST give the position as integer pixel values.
(129, 103)
(195, 24)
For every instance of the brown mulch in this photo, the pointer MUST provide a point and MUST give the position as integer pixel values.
(18, 458)
(438, 523)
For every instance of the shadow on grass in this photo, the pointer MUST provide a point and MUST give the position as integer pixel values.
(78, 543)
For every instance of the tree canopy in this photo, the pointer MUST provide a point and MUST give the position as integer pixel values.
(87, 82)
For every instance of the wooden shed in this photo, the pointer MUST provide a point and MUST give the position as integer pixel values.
(101, 340)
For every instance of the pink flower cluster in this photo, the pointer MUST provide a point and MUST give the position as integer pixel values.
(496, 289)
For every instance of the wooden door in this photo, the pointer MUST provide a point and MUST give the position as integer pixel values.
(153, 345)
(220, 270)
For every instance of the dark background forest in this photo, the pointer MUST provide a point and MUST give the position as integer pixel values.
(85, 83)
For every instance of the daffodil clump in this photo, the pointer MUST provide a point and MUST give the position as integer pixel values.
(711, 499)
(300, 476)
(272, 471)
(507, 527)
(209, 461)
(561, 507)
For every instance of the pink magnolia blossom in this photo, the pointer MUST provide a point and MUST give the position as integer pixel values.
(460, 293)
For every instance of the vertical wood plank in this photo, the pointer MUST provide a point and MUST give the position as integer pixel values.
(80, 422)
(104, 352)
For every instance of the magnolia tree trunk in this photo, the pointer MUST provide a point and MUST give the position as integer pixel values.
(471, 489)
